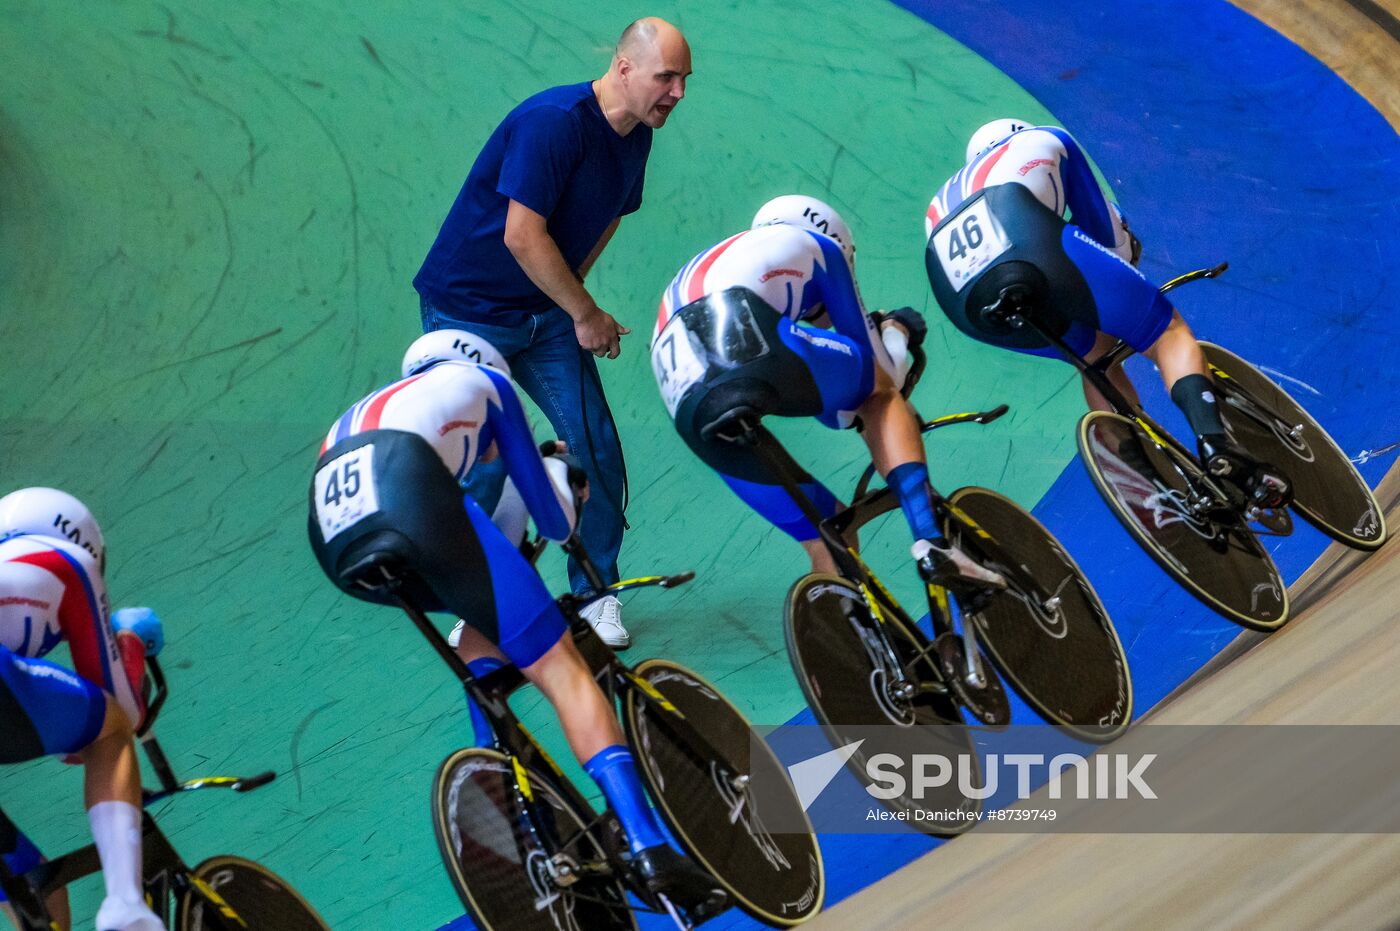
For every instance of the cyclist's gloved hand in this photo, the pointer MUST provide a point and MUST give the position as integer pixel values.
(912, 321)
(558, 449)
(145, 624)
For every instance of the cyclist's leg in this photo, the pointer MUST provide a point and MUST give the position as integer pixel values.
(68, 715)
(781, 387)
(776, 506)
(852, 385)
(21, 856)
(1103, 342)
(482, 658)
(112, 793)
(1132, 309)
(532, 633)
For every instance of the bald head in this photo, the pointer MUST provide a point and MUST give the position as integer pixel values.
(648, 72)
(647, 35)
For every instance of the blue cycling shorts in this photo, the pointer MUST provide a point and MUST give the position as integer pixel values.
(45, 709)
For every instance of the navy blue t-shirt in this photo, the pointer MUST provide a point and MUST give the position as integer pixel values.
(557, 154)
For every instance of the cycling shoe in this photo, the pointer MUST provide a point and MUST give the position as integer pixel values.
(667, 873)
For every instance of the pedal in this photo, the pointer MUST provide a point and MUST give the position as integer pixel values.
(1220, 466)
(1270, 492)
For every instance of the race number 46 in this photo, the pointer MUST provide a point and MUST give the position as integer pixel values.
(345, 491)
(968, 243)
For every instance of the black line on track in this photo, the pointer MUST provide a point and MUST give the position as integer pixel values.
(1378, 15)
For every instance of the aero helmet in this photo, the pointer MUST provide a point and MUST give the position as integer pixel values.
(989, 134)
(451, 346)
(809, 213)
(49, 512)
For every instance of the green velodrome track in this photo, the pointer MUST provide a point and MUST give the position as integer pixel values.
(208, 225)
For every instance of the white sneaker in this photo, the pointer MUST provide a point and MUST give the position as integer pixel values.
(124, 915)
(605, 616)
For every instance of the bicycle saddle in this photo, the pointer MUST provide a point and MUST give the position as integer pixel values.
(377, 569)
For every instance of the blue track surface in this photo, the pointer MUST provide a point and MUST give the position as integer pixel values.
(1222, 140)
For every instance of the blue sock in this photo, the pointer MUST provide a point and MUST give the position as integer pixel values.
(615, 771)
(910, 484)
(481, 726)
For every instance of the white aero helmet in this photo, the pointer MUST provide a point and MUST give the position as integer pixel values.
(989, 134)
(49, 512)
(451, 346)
(809, 213)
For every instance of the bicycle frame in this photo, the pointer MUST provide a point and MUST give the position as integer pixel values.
(878, 598)
(491, 691)
(1096, 373)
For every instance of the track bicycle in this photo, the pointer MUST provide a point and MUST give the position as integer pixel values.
(222, 893)
(523, 847)
(861, 658)
(1196, 526)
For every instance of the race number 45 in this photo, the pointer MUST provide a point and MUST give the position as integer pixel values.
(969, 242)
(345, 491)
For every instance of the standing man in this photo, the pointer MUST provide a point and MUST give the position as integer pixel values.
(540, 204)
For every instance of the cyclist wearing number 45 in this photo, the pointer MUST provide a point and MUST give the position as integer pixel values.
(387, 479)
(733, 335)
(52, 558)
(997, 228)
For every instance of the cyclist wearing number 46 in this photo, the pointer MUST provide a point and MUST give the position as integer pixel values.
(387, 480)
(754, 295)
(997, 227)
(52, 558)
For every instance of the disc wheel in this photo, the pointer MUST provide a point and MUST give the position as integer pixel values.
(1048, 632)
(1214, 555)
(1327, 490)
(506, 872)
(763, 853)
(848, 682)
(262, 900)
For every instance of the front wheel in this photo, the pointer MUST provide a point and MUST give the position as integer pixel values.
(511, 871)
(768, 860)
(1327, 490)
(1157, 494)
(1047, 632)
(231, 892)
(854, 688)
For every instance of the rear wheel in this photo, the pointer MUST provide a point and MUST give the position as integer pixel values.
(847, 679)
(1213, 554)
(765, 856)
(225, 887)
(508, 875)
(1047, 632)
(1327, 490)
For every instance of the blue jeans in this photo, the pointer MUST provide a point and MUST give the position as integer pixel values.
(562, 378)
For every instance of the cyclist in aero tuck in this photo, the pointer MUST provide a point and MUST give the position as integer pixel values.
(739, 329)
(52, 560)
(387, 479)
(998, 242)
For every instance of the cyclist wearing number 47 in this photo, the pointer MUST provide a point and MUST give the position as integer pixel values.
(997, 226)
(387, 479)
(754, 295)
(52, 558)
